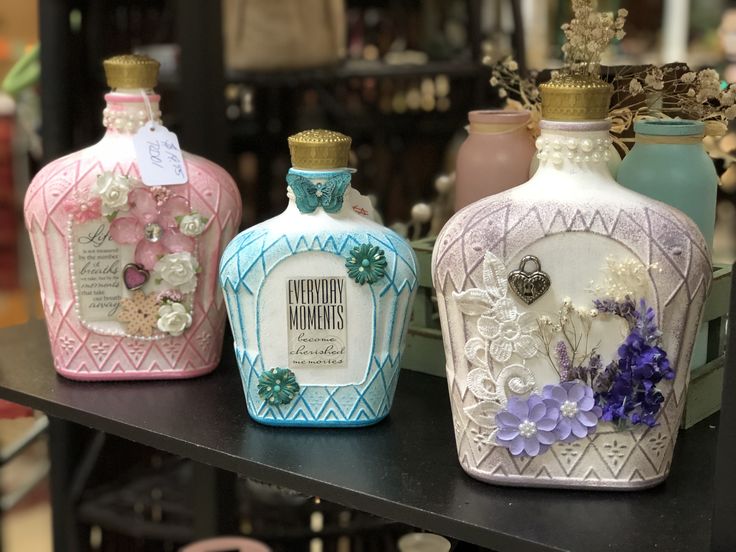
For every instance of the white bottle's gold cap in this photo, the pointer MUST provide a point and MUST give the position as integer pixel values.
(575, 98)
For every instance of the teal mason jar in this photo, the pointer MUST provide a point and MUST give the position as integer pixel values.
(669, 163)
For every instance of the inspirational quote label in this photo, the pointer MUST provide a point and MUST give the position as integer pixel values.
(97, 271)
(317, 322)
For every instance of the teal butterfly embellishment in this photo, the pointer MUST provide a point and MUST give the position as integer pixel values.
(328, 195)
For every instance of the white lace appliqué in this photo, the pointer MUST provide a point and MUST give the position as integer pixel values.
(503, 332)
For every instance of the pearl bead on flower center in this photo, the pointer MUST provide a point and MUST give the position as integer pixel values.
(527, 428)
(569, 409)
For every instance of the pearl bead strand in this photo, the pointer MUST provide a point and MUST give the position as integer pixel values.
(578, 150)
(127, 121)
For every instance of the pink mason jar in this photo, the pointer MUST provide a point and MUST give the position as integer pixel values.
(495, 156)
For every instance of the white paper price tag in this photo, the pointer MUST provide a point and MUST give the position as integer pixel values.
(159, 157)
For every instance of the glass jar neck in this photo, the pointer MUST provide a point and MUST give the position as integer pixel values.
(127, 111)
(656, 139)
(574, 146)
(497, 128)
(497, 122)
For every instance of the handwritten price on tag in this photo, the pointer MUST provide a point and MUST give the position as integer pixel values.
(171, 155)
(159, 157)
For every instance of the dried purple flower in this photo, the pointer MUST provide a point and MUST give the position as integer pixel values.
(626, 390)
(632, 396)
(645, 323)
(586, 373)
(563, 359)
(624, 309)
(604, 380)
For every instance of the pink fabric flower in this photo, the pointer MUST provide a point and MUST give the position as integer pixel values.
(145, 212)
(83, 209)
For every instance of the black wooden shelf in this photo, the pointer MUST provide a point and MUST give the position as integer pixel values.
(404, 468)
(358, 69)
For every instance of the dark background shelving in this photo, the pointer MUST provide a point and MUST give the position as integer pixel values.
(344, 97)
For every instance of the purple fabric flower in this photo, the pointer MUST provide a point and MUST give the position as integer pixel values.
(578, 411)
(527, 426)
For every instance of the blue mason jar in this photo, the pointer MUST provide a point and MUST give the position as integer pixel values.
(669, 163)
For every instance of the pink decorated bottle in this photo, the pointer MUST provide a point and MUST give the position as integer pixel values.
(127, 262)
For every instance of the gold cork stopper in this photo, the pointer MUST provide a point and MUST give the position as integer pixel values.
(131, 71)
(319, 149)
(575, 98)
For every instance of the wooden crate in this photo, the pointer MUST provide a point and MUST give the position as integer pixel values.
(704, 394)
(424, 351)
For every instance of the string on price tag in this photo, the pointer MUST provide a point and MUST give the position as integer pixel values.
(160, 160)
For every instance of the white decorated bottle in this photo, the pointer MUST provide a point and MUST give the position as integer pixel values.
(128, 271)
(319, 298)
(569, 307)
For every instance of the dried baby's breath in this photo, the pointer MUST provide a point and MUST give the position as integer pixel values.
(588, 34)
(519, 92)
(668, 92)
(661, 92)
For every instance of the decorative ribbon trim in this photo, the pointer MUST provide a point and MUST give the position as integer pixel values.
(689, 139)
(497, 128)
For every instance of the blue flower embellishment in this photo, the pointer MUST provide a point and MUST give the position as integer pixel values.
(366, 264)
(328, 195)
(278, 386)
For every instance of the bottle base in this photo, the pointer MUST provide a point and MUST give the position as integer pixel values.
(137, 375)
(318, 423)
(568, 484)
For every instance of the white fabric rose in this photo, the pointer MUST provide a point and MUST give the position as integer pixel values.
(178, 270)
(192, 225)
(173, 319)
(113, 191)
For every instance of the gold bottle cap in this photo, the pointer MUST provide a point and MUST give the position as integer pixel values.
(319, 149)
(131, 71)
(575, 98)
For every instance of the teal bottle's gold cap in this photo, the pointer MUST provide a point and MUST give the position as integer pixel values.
(319, 150)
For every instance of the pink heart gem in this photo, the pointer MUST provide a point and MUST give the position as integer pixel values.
(134, 276)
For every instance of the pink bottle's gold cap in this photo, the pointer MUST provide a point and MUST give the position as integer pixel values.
(131, 71)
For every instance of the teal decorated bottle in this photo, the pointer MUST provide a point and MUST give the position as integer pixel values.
(319, 298)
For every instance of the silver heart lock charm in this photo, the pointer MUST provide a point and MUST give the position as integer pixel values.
(527, 284)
